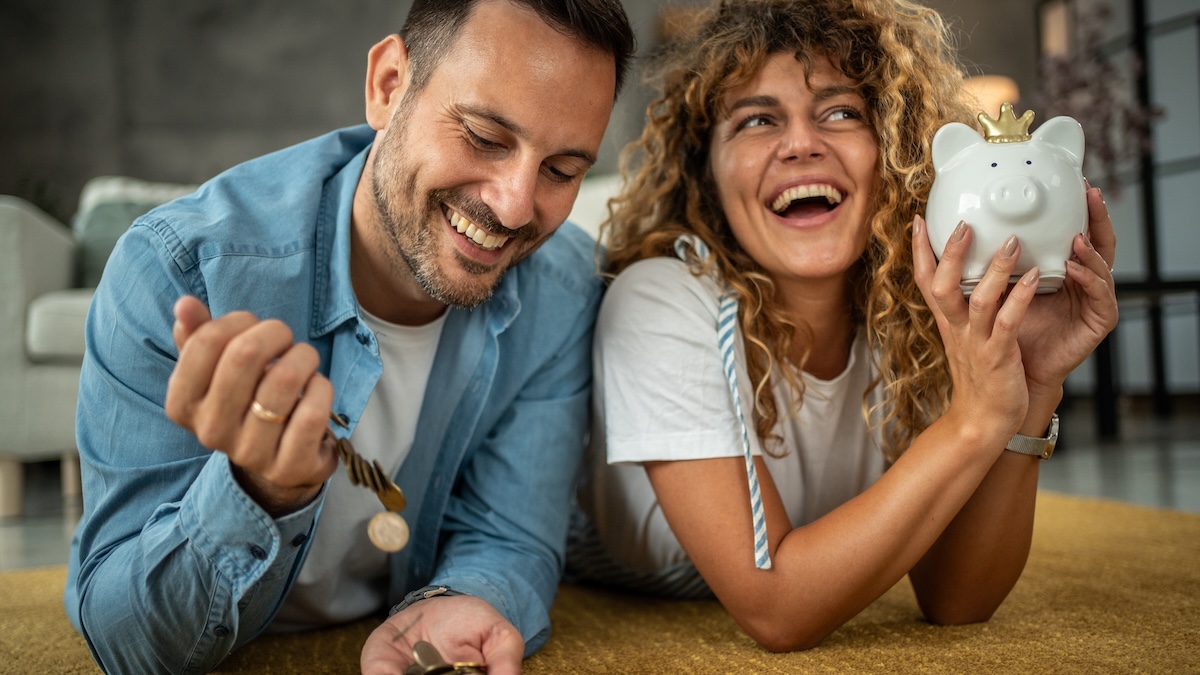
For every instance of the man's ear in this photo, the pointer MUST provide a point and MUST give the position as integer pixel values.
(388, 77)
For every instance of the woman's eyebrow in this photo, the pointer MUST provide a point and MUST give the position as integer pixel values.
(754, 102)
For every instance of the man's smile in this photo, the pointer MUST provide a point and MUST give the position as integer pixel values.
(480, 237)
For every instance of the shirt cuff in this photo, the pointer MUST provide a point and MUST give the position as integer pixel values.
(232, 530)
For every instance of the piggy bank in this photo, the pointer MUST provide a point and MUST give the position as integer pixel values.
(1009, 182)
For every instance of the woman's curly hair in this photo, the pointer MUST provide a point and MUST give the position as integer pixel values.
(901, 58)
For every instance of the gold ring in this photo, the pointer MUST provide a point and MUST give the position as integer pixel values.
(265, 415)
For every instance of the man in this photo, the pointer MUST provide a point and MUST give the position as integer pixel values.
(386, 274)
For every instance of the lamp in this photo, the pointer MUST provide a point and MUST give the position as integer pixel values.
(989, 91)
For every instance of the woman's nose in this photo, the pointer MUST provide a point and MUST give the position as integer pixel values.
(801, 139)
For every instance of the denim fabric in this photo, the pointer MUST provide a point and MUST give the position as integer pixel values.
(172, 565)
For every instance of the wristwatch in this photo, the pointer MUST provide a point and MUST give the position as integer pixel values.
(422, 594)
(1036, 447)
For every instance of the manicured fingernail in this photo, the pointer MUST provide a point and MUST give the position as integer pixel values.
(918, 225)
(959, 231)
(1031, 277)
(1009, 247)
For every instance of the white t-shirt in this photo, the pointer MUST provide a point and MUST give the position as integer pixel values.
(344, 576)
(660, 393)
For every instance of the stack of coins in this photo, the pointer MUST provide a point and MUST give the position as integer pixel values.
(430, 662)
(387, 530)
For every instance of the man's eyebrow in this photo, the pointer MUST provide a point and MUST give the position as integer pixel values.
(517, 130)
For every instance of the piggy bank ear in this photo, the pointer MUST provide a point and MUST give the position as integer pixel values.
(1064, 132)
(952, 139)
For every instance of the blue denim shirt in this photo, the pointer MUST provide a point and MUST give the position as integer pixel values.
(173, 566)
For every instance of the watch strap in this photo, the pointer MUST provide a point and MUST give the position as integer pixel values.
(423, 593)
(1034, 446)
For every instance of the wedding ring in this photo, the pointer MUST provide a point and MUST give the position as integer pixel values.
(265, 415)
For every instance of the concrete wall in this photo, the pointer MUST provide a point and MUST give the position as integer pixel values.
(180, 90)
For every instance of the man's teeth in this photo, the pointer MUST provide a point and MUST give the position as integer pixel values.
(482, 239)
(792, 194)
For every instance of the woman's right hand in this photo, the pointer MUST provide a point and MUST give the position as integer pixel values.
(979, 333)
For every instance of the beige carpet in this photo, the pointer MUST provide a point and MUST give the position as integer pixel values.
(1109, 588)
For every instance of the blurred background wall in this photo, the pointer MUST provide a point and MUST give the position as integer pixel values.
(180, 90)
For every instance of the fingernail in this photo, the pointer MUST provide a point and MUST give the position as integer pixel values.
(1009, 247)
(918, 225)
(1031, 277)
(959, 231)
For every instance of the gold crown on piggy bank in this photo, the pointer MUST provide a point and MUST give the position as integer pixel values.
(1007, 128)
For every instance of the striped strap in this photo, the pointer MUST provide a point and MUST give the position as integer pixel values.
(727, 341)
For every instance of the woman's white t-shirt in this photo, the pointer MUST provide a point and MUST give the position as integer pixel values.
(660, 393)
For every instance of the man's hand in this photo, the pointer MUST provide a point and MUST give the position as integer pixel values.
(280, 455)
(461, 627)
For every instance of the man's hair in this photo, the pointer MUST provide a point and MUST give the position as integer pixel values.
(900, 58)
(433, 26)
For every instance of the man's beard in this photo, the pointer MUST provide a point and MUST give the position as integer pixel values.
(406, 219)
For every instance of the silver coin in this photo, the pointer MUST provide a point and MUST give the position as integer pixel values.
(388, 531)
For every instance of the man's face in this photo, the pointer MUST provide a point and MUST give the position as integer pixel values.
(480, 167)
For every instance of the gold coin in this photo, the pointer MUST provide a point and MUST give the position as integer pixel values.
(392, 498)
(388, 531)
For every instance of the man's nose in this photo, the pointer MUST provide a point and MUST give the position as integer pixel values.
(511, 196)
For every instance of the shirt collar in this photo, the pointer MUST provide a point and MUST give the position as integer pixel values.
(333, 293)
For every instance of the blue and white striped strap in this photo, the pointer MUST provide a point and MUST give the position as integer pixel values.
(727, 341)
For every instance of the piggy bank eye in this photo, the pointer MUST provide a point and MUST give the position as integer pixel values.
(1029, 161)
(993, 165)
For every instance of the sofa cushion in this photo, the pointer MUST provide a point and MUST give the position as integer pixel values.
(54, 327)
(107, 206)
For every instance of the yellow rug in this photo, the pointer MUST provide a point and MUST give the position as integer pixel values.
(1109, 588)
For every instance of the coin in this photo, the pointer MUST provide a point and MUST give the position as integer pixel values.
(388, 531)
(391, 497)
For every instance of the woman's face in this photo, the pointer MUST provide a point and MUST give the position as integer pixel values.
(795, 170)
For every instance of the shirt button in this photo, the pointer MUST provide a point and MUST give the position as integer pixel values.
(362, 338)
(221, 631)
(258, 552)
(299, 539)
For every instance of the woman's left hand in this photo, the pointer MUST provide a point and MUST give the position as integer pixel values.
(1061, 329)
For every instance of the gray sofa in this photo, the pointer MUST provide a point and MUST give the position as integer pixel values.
(47, 273)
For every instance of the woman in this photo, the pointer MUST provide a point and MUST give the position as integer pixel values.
(853, 429)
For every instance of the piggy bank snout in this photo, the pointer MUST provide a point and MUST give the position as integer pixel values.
(1015, 198)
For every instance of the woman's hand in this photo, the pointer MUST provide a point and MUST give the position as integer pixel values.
(980, 332)
(1063, 328)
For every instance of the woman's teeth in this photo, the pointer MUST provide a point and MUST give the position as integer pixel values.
(482, 239)
(792, 194)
